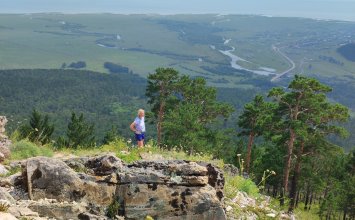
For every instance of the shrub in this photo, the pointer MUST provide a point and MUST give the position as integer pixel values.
(4, 205)
(113, 209)
(77, 65)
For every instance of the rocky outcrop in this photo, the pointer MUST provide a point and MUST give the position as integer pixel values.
(92, 187)
(3, 122)
(4, 140)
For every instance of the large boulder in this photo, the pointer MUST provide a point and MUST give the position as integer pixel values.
(52, 178)
(86, 187)
(174, 189)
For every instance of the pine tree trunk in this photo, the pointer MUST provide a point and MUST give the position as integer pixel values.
(274, 191)
(250, 145)
(160, 120)
(296, 175)
(288, 164)
(344, 215)
(307, 198)
(298, 198)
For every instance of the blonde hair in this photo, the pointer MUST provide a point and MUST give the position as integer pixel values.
(140, 111)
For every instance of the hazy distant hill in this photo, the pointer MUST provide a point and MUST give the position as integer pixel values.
(348, 51)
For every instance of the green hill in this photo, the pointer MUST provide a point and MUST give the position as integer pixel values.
(105, 99)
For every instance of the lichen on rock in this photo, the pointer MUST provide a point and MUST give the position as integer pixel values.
(87, 188)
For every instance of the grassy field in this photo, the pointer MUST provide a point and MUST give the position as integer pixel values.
(189, 43)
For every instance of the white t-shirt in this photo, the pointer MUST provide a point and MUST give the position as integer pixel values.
(139, 125)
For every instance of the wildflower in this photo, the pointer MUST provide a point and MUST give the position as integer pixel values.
(273, 172)
(129, 141)
(238, 155)
(36, 129)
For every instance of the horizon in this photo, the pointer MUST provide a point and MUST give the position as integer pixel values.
(314, 9)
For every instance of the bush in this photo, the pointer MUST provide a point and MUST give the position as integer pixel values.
(77, 65)
(26, 149)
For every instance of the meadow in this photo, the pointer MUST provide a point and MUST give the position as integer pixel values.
(189, 43)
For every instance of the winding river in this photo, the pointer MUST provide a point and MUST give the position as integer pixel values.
(265, 71)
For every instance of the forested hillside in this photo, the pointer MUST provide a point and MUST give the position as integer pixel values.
(104, 99)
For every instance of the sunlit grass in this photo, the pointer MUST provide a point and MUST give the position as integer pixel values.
(309, 215)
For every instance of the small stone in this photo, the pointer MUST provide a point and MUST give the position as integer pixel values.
(3, 170)
(271, 215)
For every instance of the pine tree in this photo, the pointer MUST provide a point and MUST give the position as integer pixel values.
(110, 135)
(189, 122)
(39, 128)
(303, 108)
(255, 118)
(80, 133)
(161, 86)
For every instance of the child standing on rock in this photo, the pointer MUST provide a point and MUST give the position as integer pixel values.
(138, 127)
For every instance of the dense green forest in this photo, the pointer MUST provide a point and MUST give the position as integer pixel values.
(104, 99)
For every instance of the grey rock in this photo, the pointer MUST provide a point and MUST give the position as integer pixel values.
(84, 187)
(100, 165)
(22, 212)
(51, 178)
(5, 144)
(9, 181)
(5, 195)
(3, 121)
(58, 211)
(89, 216)
(4, 140)
(215, 178)
(170, 202)
(3, 170)
(231, 170)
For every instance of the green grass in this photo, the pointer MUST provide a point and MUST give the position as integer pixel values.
(25, 149)
(238, 183)
(124, 150)
(309, 215)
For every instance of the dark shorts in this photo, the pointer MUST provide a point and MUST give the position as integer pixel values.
(139, 137)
